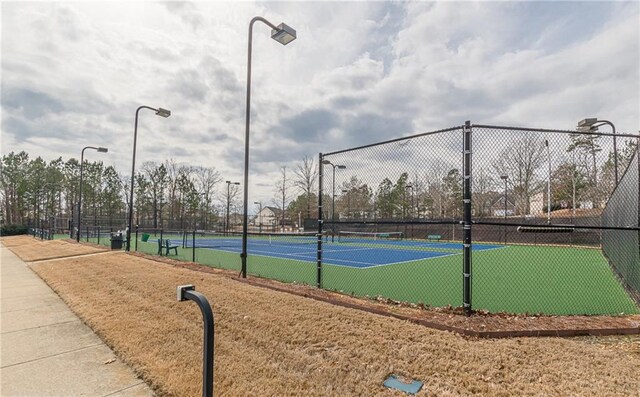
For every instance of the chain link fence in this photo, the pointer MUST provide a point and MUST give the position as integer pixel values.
(492, 218)
(496, 218)
(622, 247)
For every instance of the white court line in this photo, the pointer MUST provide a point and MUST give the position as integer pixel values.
(305, 256)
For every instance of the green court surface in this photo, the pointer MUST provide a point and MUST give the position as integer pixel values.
(514, 279)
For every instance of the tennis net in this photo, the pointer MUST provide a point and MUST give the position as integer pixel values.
(345, 236)
(234, 239)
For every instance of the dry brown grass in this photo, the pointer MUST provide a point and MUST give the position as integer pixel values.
(31, 249)
(275, 344)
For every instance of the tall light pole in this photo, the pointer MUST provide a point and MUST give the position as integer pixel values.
(411, 209)
(348, 203)
(259, 215)
(159, 112)
(283, 34)
(226, 224)
(101, 150)
(591, 125)
(546, 143)
(333, 197)
(504, 229)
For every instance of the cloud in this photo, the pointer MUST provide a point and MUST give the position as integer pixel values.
(358, 73)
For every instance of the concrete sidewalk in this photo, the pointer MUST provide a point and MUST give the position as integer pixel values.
(45, 350)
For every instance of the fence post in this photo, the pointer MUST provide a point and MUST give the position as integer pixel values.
(193, 246)
(160, 244)
(319, 257)
(136, 238)
(466, 295)
(98, 235)
(87, 238)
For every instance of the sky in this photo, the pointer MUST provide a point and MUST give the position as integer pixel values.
(73, 74)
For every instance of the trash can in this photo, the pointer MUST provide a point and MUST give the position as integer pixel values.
(145, 237)
(116, 241)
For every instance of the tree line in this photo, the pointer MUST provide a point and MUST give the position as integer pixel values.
(167, 195)
(577, 177)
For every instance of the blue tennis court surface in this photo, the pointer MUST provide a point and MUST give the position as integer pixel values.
(351, 254)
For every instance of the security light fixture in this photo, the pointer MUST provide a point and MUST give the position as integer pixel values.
(283, 34)
(103, 149)
(163, 112)
(591, 125)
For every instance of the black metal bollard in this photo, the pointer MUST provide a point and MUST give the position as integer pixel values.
(188, 292)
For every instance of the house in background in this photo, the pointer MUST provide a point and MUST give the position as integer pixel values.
(269, 217)
(497, 208)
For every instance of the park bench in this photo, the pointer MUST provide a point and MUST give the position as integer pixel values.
(166, 244)
(434, 237)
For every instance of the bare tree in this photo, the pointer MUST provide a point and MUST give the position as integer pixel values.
(520, 161)
(306, 176)
(283, 193)
(207, 178)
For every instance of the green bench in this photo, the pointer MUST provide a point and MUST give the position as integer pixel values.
(166, 244)
(434, 237)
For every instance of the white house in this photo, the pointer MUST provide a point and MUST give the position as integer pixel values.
(268, 217)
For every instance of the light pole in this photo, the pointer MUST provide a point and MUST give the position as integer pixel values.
(259, 215)
(546, 143)
(348, 203)
(159, 112)
(591, 125)
(411, 209)
(101, 150)
(504, 228)
(226, 224)
(333, 197)
(283, 34)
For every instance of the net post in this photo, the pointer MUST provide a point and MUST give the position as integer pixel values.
(467, 173)
(320, 215)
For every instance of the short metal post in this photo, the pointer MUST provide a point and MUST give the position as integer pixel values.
(188, 292)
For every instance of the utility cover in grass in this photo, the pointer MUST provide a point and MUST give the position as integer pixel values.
(406, 385)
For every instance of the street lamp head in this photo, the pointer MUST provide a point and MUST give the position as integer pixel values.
(587, 122)
(103, 149)
(587, 125)
(163, 112)
(256, 202)
(504, 177)
(341, 167)
(345, 191)
(283, 34)
(326, 162)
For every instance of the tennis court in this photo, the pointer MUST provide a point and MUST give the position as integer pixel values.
(512, 278)
(357, 253)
